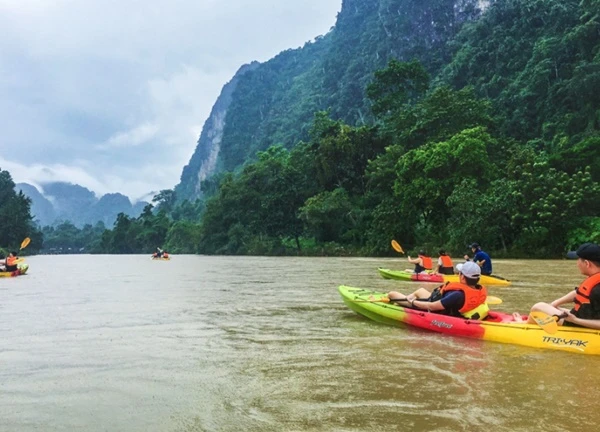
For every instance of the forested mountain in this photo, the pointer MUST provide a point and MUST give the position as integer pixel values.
(446, 122)
(274, 102)
(74, 203)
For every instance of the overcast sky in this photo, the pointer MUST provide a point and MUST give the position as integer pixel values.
(112, 94)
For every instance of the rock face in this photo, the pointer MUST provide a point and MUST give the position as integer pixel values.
(204, 160)
(69, 202)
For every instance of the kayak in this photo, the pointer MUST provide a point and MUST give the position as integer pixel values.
(407, 275)
(21, 270)
(161, 258)
(497, 327)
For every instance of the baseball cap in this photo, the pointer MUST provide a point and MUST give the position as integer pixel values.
(474, 245)
(469, 269)
(589, 251)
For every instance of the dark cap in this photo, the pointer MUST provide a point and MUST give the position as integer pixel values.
(442, 252)
(474, 245)
(589, 251)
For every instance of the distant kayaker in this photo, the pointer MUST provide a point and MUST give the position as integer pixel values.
(445, 265)
(10, 263)
(422, 263)
(159, 252)
(481, 258)
(466, 298)
(586, 312)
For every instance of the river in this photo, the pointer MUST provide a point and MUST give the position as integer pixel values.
(199, 343)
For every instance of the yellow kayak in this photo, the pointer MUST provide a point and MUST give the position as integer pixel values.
(21, 270)
(409, 275)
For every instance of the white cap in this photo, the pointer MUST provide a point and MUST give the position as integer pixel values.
(469, 269)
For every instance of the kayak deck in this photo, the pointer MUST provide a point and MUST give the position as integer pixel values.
(407, 275)
(498, 327)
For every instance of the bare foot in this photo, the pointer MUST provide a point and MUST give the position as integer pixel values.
(517, 317)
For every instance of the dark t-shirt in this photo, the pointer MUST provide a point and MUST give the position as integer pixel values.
(452, 301)
(486, 269)
(591, 310)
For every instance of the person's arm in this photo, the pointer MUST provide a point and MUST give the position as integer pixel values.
(568, 298)
(414, 260)
(588, 323)
(429, 306)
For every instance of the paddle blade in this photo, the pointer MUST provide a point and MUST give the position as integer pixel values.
(25, 242)
(491, 300)
(545, 321)
(397, 247)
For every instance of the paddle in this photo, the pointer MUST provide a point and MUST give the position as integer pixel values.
(548, 323)
(490, 300)
(397, 247)
(24, 243)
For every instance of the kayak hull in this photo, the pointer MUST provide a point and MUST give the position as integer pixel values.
(499, 327)
(409, 276)
(161, 259)
(21, 270)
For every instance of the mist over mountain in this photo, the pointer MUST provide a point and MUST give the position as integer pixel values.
(61, 201)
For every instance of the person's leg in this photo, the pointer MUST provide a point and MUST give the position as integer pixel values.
(396, 296)
(547, 309)
(421, 293)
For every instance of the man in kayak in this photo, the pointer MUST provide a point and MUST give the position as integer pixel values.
(422, 262)
(445, 265)
(481, 258)
(466, 298)
(586, 312)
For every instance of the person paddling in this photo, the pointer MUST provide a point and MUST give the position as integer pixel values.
(481, 258)
(445, 265)
(422, 262)
(10, 263)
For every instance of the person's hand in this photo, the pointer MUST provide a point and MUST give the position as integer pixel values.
(569, 316)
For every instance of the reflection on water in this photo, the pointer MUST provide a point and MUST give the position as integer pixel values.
(124, 343)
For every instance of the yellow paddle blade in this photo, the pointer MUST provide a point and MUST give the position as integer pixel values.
(25, 242)
(491, 300)
(545, 321)
(397, 247)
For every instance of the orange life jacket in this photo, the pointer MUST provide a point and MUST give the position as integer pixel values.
(427, 263)
(473, 297)
(11, 261)
(446, 261)
(584, 290)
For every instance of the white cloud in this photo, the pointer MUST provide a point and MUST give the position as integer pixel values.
(112, 94)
